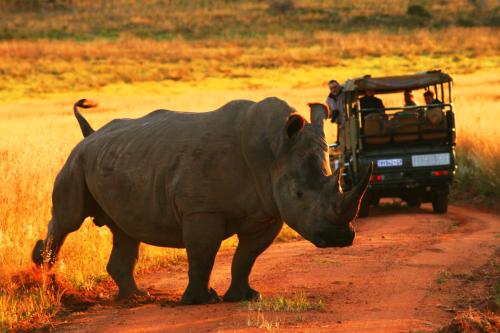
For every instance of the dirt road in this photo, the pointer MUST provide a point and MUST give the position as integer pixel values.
(407, 270)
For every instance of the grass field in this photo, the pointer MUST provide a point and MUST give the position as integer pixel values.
(188, 59)
(231, 19)
(34, 68)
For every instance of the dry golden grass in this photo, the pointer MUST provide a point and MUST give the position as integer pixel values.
(295, 303)
(34, 68)
(471, 321)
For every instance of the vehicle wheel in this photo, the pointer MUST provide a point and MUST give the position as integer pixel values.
(364, 209)
(414, 202)
(440, 203)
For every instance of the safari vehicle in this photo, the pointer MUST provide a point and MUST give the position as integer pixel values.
(412, 148)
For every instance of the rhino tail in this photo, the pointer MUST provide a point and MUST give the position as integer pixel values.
(84, 124)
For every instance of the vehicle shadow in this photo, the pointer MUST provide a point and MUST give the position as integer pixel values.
(388, 207)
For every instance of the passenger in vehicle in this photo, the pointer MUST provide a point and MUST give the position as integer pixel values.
(409, 99)
(372, 103)
(335, 102)
(434, 114)
(429, 98)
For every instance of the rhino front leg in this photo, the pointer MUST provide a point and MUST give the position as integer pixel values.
(250, 246)
(202, 234)
(122, 262)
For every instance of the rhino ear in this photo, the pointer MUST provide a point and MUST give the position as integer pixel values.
(319, 112)
(294, 125)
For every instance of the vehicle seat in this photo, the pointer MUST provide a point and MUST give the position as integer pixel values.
(375, 125)
(434, 120)
(405, 122)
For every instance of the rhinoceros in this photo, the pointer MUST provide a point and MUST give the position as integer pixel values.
(190, 180)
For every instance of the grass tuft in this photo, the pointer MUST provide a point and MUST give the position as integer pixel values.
(478, 174)
(472, 321)
(296, 303)
(31, 297)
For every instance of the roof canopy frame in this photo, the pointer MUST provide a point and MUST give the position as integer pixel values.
(394, 84)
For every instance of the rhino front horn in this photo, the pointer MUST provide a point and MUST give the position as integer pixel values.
(351, 200)
(336, 180)
(319, 112)
(361, 187)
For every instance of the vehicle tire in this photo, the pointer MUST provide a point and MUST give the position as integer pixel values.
(414, 202)
(440, 203)
(364, 208)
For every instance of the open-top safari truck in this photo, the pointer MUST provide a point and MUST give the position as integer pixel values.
(412, 148)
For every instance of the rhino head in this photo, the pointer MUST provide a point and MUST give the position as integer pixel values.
(308, 196)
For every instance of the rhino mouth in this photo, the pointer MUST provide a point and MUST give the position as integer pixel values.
(339, 240)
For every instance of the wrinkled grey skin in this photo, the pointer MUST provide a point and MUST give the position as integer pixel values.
(190, 180)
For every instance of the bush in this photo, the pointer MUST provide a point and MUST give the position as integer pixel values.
(493, 18)
(418, 11)
(477, 180)
(465, 21)
(281, 7)
(387, 21)
(34, 4)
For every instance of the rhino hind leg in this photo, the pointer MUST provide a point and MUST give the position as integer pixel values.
(46, 251)
(202, 235)
(250, 246)
(70, 199)
(122, 262)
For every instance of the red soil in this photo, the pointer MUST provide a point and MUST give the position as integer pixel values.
(407, 270)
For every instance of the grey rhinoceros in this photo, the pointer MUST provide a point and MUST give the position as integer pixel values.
(191, 180)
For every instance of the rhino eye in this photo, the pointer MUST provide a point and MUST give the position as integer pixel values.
(300, 194)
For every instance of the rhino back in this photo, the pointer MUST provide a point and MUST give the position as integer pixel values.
(147, 173)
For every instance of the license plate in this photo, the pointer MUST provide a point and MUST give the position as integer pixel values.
(430, 160)
(393, 162)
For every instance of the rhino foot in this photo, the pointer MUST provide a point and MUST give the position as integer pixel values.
(239, 295)
(130, 294)
(37, 254)
(209, 297)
